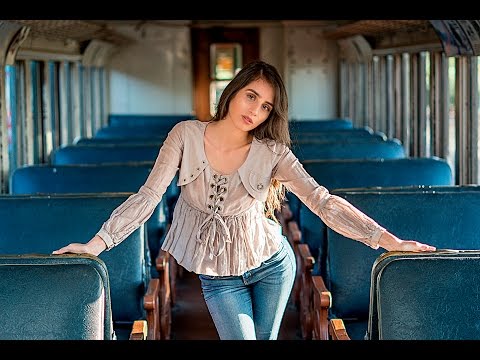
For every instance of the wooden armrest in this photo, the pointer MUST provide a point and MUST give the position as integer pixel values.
(151, 303)
(139, 330)
(295, 235)
(322, 301)
(306, 256)
(162, 304)
(162, 264)
(161, 261)
(167, 271)
(165, 311)
(304, 287)
(324, 294)
(337, 330)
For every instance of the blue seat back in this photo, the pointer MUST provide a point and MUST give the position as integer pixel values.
(147, 141)
(353, 149)
(111, 132)
(344, 136)
(41, 224)
(163, 121)
(44, 179)
(65, 297)
(85, 154)
(335, 174)
(320, 125)
(298, 134)
(425, 296)
(443, 216)
(114, 153)
(378, 137)
(388, 149)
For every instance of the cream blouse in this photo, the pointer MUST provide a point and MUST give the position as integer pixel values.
(219, 227)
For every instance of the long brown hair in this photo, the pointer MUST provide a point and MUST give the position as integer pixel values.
(274, 128)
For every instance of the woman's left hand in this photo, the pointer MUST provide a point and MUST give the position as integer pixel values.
(390, 242)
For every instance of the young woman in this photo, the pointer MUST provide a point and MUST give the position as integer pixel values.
(233, 172)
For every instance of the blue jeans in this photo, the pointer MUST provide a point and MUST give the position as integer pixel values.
(251, 306)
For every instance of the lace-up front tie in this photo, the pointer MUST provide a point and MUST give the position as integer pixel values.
(214, 231)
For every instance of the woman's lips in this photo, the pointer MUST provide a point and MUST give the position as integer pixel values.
(247, 120)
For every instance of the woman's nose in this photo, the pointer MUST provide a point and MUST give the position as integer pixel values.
(254, 110)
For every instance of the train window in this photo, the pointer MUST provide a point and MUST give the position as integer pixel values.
(79, 90)
(477, 94)
(87, 89)
(225, 62)
(101, 107)
(11, 112)
(428, 118)
(23, 138)
(51, 107)
(95, 94)
(451, 113)
(376, 81)
(422, 94)
(66, 121)
(33, 93)
(404, 117)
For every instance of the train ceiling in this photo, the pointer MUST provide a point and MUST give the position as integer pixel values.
(84, 30)
(380, 34)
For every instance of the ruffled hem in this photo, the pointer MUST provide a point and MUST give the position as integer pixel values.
(253, 239)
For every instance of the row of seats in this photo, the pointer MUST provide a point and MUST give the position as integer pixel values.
(156, 127)
(168, 120)
(333, 274)
(115, 183)
(102, 151)
(309, 229)
(135, 121)
(85, 188)
(117, 165)
(303, 144)
(78, 297)
(95, 178)
(408, 300)
(118, 295)
(355, 163)
(333, 284)
(43, 223)
(443, 216)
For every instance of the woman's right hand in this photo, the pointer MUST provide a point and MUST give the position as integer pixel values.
(94, 247)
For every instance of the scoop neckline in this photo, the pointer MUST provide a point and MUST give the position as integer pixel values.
(208, 162)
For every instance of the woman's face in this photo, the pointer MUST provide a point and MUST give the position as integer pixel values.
(252, 105)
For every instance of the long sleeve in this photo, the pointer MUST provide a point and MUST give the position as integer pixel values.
(138, 208)
(335, 212)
